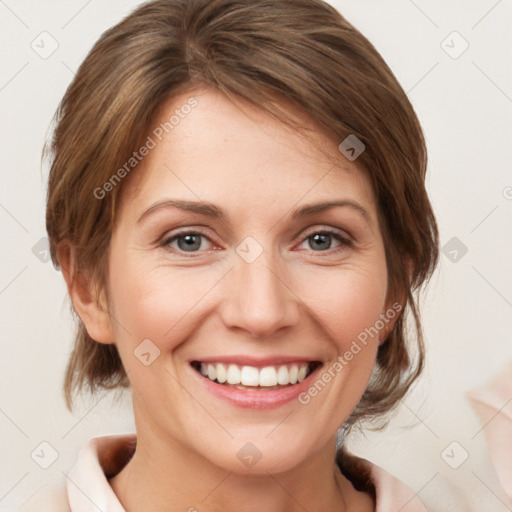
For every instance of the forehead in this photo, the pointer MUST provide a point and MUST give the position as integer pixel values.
(217, 150)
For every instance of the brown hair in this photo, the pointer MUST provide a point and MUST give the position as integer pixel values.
(299, 51)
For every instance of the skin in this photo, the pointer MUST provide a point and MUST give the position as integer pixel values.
(294, 299)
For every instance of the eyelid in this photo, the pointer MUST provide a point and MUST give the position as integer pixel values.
(329, 229)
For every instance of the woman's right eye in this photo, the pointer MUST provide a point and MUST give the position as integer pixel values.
(186, 241)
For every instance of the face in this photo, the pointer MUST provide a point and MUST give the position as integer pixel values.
(234, 296)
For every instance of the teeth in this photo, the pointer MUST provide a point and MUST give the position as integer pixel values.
(302, 374)
(251, 376)
(292, 374)
(233, 376)
(222, 374)
(268, 376)
(283, 375)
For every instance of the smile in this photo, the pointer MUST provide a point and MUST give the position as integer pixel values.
(251, 377)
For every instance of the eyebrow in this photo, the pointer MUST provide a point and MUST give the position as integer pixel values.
(210, 210)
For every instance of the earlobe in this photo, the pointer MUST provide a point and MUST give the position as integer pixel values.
(387, 329)
(89, 302)
(394, 310)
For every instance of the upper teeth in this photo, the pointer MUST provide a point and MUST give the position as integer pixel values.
(252, 376)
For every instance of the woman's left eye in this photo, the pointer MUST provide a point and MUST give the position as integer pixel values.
(322, 239)
(191, 241)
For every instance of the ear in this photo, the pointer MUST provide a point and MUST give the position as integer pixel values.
(89, 302)
(392, 312)
(395, 305)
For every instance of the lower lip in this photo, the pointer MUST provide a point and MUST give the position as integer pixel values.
(255, 398)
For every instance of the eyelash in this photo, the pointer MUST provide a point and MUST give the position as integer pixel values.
(344, 242)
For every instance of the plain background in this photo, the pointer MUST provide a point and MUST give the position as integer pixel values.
(465, 107)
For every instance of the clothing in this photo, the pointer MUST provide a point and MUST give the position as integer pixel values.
(493, 403)
(88, 490)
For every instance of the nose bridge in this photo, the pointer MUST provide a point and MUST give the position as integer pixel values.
(259, 299)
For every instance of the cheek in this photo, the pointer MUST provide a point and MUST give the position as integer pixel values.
(348, 302)
(156, 303)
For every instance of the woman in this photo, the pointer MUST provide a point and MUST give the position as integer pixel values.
(237, 203)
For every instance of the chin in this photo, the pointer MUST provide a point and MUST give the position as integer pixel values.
(260, 453)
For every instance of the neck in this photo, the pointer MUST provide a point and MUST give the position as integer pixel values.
(164, 475)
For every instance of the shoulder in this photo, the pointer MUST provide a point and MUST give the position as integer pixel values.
(98, 459)
(388, 491)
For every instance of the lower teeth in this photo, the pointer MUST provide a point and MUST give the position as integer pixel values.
(259, 388)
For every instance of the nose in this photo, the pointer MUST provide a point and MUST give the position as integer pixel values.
(258, 297)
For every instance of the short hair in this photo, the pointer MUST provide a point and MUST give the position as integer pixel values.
(267, 53)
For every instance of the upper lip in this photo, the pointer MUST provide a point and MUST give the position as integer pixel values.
(244, 360)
